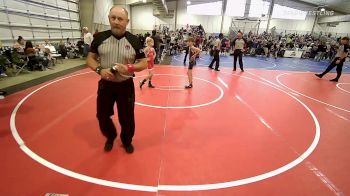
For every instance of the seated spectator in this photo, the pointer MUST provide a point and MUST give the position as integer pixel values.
(47, 43)
(29, 50)
(2, 94)
(69, 44)
(2, 71)
(34, 58)
(80, 45)
(62, 50)
(48, 55)
(19, 45)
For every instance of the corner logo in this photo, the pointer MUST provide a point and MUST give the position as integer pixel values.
(321, 13)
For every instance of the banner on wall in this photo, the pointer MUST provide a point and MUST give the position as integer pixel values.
(293, 53)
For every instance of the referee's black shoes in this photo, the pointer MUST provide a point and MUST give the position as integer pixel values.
(108, 145)
(129, 149)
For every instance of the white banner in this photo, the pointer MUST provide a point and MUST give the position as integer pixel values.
(293, 53)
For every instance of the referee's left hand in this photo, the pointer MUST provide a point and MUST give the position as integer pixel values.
(122, 69)
(107, 74)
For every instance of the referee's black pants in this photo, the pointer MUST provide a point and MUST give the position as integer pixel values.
(237, 53)
(332, 65)
(122, 93)
(216, 59)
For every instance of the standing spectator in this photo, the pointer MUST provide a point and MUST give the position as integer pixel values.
(142, 39)
(87, 41)
(157, 41)
(328, 50)
(96, 33)
(268, 46)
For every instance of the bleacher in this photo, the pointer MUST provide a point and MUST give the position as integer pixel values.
(17, 73)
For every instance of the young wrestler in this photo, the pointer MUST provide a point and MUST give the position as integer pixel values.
(193, 53)
(339, 59)
(151, 55)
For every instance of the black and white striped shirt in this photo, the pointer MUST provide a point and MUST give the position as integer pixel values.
(238, 44)
(112, 49)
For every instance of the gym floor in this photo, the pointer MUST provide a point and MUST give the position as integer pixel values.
(274, 129)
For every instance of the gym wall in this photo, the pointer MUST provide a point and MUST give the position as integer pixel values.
(143, 20)
(39, 20)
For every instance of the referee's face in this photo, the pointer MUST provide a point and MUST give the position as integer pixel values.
(118, 21)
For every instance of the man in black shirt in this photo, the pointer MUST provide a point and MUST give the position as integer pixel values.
(117, 50)
(156, 39)
(186, 49)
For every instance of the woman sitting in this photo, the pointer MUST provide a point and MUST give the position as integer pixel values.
(19, 45)
(35, 60)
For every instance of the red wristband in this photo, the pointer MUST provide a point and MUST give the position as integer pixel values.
(131, 68)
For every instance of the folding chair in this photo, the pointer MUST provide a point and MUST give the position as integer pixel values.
(21, 67)
(54, 53)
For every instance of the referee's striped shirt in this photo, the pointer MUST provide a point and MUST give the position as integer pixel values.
(112, 49)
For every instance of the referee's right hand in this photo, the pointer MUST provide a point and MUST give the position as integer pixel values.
(107, 74)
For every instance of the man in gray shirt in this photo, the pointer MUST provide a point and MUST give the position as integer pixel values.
(216, 59)
(117, 49)
(238, 49)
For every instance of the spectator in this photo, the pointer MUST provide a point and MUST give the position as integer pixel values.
(47, 43)
(156, 39)
(34, 59)
(2, 94)
(19, 45)
(80, 46)
(62, 49)
(87, 41)
(96, 33)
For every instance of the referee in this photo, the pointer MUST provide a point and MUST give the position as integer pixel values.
(117, 50)
(217, 45)
(238, 48)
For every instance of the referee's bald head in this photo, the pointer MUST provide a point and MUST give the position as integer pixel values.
(121, 8)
